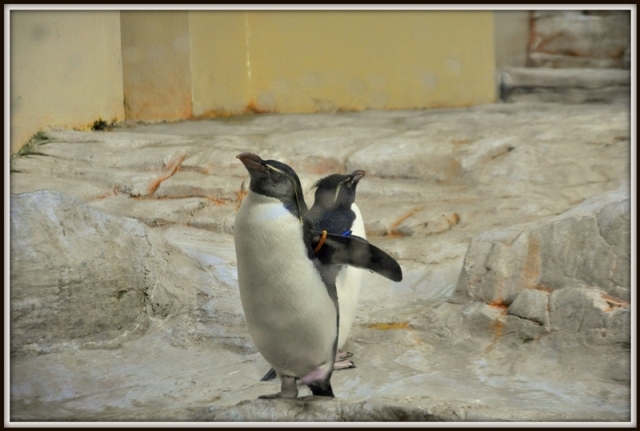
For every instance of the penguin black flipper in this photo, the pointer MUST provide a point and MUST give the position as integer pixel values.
(355, 251)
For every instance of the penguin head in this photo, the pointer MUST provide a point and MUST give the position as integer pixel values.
(338, 190)
(275, 179)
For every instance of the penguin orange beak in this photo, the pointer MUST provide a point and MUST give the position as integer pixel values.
(252, 161)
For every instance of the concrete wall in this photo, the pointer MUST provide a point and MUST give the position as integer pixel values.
(219, 62)
(310, 61)
(156, 58)
(66, 70)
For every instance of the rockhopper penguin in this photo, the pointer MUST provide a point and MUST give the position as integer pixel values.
(286, 274)
(335, 210)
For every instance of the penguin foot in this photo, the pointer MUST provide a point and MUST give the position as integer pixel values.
(341, 356)
(288, 389)
(283, 395)
(340, 364)
(343, 365)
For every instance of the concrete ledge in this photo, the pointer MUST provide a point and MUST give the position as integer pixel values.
(564, 85)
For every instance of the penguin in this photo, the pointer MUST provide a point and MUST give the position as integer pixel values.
(335, 210)
(286, 275)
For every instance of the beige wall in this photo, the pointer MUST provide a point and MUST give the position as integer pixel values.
(66, 70)
(70, 67)
(156, 58)
(310, 61)
(219, 69)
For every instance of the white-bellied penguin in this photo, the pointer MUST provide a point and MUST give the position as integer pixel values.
(335, 210)
(287, 272)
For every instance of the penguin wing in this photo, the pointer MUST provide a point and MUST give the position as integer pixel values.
(355, 251)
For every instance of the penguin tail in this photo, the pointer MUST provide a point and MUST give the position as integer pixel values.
(271, 374)
(319, 380)
(322, 389)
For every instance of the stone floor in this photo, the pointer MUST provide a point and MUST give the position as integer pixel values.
(435, 178)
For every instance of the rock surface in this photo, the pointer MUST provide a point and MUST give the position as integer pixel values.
(573, 57)
(589, 38)
(565, 277)
(511, 223)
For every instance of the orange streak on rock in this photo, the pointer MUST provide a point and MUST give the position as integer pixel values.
(240, 195)
(498, 326)
(392, 230)
(172, 168)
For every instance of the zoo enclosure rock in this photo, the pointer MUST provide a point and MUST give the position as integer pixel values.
(570, 274)
(510, 164)
(83, 278)
(596, 39)
(577, 85)
(314, 409)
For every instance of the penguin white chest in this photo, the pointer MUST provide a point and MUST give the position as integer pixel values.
(289, 313)
(349, 284)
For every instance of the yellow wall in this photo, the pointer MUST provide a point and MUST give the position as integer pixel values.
(156, 58)
(310, 61)
(70, 67)
(66, 70)
(219, 62)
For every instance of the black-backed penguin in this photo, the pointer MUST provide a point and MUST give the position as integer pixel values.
(335, 210)
(286, 274)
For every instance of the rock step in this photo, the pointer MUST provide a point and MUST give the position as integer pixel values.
(567, 85)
